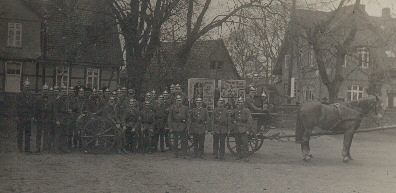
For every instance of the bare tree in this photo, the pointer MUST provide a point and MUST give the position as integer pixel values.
(140, 23)
(331, 41)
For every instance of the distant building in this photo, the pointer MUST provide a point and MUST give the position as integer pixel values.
(372, 51)
(208, 59)
(58, 44)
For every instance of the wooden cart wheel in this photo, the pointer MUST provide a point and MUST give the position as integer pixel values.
(97, 135)
(253, 144)
(260, 139)
(190, 142)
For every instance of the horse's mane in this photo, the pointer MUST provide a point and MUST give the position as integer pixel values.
(362, 104)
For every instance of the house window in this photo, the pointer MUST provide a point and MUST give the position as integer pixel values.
(216, 65)
(354, 92)
(93, 78)
(14, 34)
(287, 61)
(364, 57)
(285, 88)
(311, 56)
(308, 94)
(62, 76)
(13, 68)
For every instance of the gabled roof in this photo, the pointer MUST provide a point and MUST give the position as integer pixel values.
(78, 32)
(369, 32)
(200, 53)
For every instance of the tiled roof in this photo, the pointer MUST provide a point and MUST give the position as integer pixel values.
(79, 32)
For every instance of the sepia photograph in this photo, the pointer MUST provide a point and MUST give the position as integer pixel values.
(196, 96)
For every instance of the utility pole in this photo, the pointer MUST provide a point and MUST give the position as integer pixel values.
(292, 39)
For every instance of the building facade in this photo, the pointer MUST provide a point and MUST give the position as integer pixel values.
(367, 56)
(54, 43)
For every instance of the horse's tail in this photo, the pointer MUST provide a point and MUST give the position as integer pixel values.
(300, 129)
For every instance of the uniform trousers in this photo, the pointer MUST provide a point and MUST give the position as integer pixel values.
(72, 134)
(131, 140)
(119, 138)
(180, 136)
(219, 144)
(199, 141)
(24, 126)
(61, 135)
(43, 131)
(145, 138)
(164, 139)
(241, 140)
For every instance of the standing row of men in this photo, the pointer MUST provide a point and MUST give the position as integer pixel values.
(140, 127)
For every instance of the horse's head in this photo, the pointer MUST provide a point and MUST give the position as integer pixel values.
(367, 105)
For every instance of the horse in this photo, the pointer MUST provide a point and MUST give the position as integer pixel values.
(342, 117)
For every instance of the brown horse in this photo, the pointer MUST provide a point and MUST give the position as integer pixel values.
(338, 117)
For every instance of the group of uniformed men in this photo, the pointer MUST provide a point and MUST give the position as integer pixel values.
(142, 127)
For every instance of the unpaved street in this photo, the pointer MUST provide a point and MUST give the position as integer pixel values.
(277, 167)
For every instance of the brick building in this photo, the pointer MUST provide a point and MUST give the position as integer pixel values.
(58, 43)
(368, 55)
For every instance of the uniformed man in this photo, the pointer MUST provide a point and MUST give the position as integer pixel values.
(131, 119)
(62, 113)
(161, 116)
(25, 112)
(90, 101)
(153, 97)
(177, 122)
(178, 92)
(199, 119)
(44, 120)
(107, 94)
(147, 128)
(56, 90)
(243, 120)
(250, 102)
(220, 129)
(110, 111)
(168, 104)
(74, 113)
(131, 93)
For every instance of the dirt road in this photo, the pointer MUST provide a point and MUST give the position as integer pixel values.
(277, 167)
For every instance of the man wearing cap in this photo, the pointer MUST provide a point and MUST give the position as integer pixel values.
(110, 111)
(44, 120)
(198, 121)
(220, 129)
(250, 102)
(168, 103)
(131, 121)
(62, 112)
(177, 122)
(25, 112)
(147, 128)
(161, 115)
(178, 92)
(243, 120)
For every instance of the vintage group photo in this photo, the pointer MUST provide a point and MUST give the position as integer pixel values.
(198, 96)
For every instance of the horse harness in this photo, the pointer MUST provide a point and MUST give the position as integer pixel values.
(341, 119)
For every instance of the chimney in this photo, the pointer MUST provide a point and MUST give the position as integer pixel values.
(386, 13)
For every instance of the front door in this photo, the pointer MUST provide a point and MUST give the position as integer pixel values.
(13, 76)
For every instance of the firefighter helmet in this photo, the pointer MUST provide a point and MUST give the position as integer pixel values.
(45, 87)
(26, 83)
(178, 98)
(198, 100)
(240, 100)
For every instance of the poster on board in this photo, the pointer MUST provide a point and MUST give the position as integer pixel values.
(231, 90)
(202, 88)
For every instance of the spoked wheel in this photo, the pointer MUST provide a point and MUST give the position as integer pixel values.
(190, 142)
(97, 135)
(254, 143)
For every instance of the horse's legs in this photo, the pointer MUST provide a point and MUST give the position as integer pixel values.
(305, 144)
(348, 135)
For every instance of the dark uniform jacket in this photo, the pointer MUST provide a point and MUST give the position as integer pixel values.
(178, 117)
(90, 105)
(25, 105)
(44, 109)
(222, 120)
(131, 117)
(110, 112)
(243, 120)
(62, 109)
(198, 119)
(161, 115)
